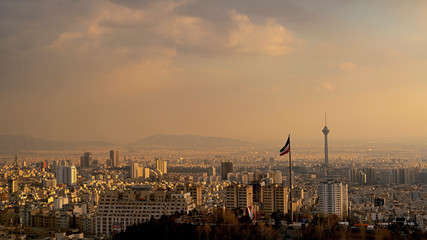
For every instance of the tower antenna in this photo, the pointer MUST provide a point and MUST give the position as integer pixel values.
(325, 118)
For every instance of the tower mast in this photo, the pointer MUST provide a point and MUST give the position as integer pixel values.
(326, 131)
(290, 182)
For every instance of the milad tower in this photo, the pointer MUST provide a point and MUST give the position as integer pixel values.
(326, 131)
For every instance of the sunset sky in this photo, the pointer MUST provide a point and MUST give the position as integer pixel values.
(254, 70)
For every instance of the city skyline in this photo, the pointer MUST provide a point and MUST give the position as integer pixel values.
(166, 119)
(121, 70)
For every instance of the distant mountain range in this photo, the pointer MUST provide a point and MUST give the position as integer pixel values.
(13, 143)
(189, 142)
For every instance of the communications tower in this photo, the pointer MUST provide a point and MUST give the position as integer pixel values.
(326, 131)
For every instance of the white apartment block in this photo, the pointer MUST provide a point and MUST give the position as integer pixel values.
(118, 210)
(333, 198)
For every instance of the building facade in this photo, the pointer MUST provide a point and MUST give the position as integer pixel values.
(226, 168)
(66, 175)
(333, 198)
(118, 210)
(238, 196)
(114, 158)
(136, 171)
(275, 198)
(195, 191)
(162, 166)
(86, 160)
(13, 185)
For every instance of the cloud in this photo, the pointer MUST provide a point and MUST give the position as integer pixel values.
(71, 58)
(322, 86)
(59, 41)
(66, 39)
(327, 86)
(104, 26)
(268, 39)
(348, 66)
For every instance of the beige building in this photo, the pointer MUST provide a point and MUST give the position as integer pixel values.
(194, 190)
(118, 210)
(13, 186)
(238, 196)
(275, 198)
(162, 166)
(136, 171)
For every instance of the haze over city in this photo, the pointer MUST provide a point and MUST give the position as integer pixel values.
(122, 70)
(225, 119)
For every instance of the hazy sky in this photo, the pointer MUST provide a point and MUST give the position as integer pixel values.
(254, 70)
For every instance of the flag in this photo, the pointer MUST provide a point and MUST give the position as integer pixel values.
(285, 149)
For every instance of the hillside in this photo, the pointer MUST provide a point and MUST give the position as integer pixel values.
(189, 142)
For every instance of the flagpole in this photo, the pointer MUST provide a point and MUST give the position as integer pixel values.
(290, 180)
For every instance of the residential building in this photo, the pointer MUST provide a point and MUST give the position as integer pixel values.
(333, 198)
(238, 196)
(66, 175)
(226, 168)
(136, 171)
(275, 198)
(162, 166)
(86, 160)
(118, 210)
(114, 158)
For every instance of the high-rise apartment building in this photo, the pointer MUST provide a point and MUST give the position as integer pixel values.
(277, 177)
(66, 175)
(357, 176)
(257, 189)
(238, 196)
(405, 176)
(395, 176)
(162, 166)
(352, 175)
(13, 186)
(211, 171)
(384, 177)
(275, 198)
(115, 158)
(146, 172)
(371, 176)
(226, 168)
(85, 160)
(333, 198)
(54, 164)
(136, 171)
